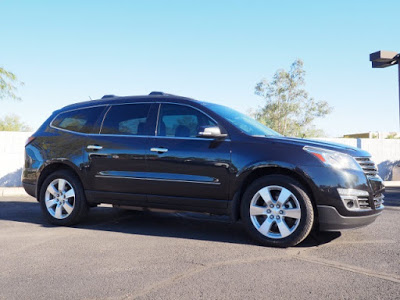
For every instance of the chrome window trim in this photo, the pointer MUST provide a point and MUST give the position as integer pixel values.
(66, 111)
(111, 105)
(227, 139)
(75, 132)
(123, 135)
(104, 117)
(189, 138)
(187, 105)
(158, 118)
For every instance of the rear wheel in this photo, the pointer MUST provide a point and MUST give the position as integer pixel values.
(277, 211)
(62, 198)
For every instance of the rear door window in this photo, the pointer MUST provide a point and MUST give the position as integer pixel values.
(84, 120)
(128, 119)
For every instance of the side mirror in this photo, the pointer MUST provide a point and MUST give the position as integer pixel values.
(212, 132)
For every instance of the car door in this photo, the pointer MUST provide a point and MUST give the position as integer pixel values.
(184, 169)
(117, 156)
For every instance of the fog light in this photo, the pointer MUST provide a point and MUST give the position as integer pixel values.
(352, 198)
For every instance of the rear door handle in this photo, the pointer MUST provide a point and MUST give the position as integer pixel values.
(159, 150)
(94, 147)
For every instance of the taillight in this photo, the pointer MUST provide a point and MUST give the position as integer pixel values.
(29, 140)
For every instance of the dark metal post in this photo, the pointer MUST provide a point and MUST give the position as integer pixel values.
(383, 59)
(398, 65)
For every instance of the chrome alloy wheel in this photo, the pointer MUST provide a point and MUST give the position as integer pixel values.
(275, 212)
(60, 198)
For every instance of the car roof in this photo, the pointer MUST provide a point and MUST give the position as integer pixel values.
(113, 99)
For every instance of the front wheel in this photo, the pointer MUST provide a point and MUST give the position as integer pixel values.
(277, 211)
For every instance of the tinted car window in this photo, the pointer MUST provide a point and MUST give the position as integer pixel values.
(181, 121)
(128, 119)
(80, 120)
(244, 123)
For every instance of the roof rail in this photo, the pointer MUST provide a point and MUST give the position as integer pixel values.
(108, 96)
(154, 93)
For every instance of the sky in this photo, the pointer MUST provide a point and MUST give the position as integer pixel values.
(71, 51)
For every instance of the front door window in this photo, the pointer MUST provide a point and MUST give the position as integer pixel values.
(181, 121)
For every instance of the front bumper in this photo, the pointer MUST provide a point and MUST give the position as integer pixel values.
(331, 220)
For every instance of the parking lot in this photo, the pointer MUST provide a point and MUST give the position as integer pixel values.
(120, 254)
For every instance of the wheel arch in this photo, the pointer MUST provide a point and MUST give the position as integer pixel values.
(51, 168)
(262, 171)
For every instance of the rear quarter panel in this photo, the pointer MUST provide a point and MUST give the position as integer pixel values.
(53, 146)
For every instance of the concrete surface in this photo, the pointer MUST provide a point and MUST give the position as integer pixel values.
(119, 254)
(12, 191)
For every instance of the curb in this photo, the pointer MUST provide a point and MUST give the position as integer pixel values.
(392, 183)
(12, 191)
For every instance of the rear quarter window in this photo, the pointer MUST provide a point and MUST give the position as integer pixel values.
(83, 120)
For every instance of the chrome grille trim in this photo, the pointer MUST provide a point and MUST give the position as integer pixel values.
(363, 203)
(360, 200)
(378, 201)
(368, 166)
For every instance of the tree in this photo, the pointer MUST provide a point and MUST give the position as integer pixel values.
(289, 109)
(8, 87)
(392, 135)
(8, 84)
(13, 123)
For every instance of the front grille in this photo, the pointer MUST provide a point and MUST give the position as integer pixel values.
(367, 165)
(360, 200)
(363, 202)
(378, 201)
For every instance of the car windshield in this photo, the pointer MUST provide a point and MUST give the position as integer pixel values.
(245, 123)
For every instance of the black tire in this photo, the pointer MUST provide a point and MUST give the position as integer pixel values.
(301, 227)
(81, 206)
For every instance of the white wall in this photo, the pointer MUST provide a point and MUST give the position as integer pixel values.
(349, 142)
(12, 157)
(385, 153)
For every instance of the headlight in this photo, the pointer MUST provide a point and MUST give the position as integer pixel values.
(334, 159)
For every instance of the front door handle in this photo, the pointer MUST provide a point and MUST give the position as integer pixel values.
(159, 150)
(94, 147)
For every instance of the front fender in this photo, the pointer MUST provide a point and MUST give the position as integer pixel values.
(259, 169)
(270, 167)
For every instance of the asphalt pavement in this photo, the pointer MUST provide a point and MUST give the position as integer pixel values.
(118, 254)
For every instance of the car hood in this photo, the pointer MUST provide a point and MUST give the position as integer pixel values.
(353, 151)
